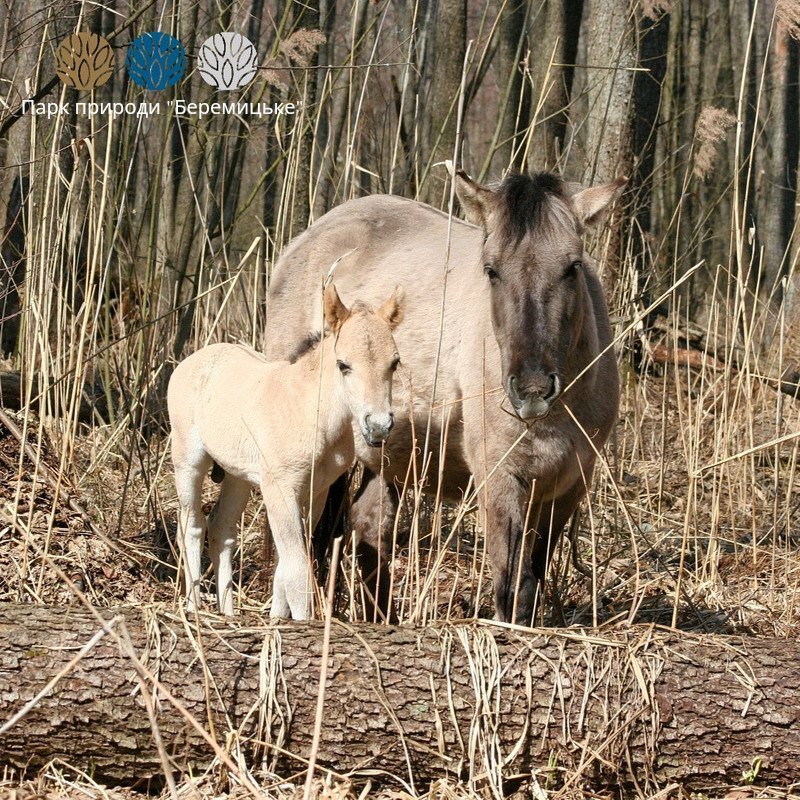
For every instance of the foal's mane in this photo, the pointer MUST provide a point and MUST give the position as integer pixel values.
(527, 202)
(313, 339)
(305, 346)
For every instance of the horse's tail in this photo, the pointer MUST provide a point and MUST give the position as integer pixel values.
(333, 522)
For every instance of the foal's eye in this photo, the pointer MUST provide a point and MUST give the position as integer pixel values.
(490, 272)
(343, 368)
(395, 363)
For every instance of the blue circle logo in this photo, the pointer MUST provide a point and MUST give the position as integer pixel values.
(156, 60)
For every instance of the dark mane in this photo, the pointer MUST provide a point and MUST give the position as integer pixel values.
(308, 344)
(525, 201)
(313, 339)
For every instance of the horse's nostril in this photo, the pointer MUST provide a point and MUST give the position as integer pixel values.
(555, 387)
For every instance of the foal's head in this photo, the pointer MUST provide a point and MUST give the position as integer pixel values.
(532, 258)
(366, 359)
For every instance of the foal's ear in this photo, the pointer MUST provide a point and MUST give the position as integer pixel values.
(336, 312)
(592, 204)
(392, 310)
(475, 199)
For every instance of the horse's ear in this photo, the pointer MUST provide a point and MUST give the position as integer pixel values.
(336, 312)
(592, 204)
(475, 199)
(392, 310)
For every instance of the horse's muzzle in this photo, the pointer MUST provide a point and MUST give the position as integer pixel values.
(376, 428)
(534, 403)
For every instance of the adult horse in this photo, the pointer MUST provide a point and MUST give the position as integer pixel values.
(506, 323)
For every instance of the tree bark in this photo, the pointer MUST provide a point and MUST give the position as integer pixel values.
(307, 15)
(513, 102)
(553, 29)
(610, 50)
(635, 709)
(444, 59)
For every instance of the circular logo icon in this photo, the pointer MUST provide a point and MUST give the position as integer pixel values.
(156, 60)
(84, 60)
(227, 61)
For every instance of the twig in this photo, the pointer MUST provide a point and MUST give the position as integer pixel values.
(323, 670)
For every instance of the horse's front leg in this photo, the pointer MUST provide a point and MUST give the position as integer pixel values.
(552, 518)
(292, 588)
(509, 542)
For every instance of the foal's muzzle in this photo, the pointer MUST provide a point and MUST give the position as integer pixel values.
(377, 427)
(536, 399)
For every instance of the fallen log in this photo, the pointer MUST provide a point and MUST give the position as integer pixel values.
(93, 400)
(699, 348)
(636, 708)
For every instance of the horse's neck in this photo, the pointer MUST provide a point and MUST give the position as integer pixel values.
(588, 344)
(325, 391)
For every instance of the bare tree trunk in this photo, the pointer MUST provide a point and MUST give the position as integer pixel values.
(553, 30)
(513, 106)
(777, 163)
(653, 35)
(12, 264)
(610, 62)
(638, 708)
(337, 114)
(307, 16)
(444, 62)
(611, 59)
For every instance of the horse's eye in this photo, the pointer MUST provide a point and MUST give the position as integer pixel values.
(490, 272)
(343, 368)
(572, 270)
(395, 363)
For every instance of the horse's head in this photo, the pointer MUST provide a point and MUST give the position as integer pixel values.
(366, 359)
(533, 259)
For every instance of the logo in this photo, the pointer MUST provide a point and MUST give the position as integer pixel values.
(156, 60)
(227, 61)
(84, 60)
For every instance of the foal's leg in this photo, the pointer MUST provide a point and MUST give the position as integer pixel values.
(291, 594)
(191, 525)
(372, 518)
(504, 506)
(222, 535)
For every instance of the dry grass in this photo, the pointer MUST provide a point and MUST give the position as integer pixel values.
(712, 126)
(694, 511)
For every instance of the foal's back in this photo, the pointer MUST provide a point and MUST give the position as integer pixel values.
(215, 394)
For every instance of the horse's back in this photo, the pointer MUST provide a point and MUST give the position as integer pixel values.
(372, 244)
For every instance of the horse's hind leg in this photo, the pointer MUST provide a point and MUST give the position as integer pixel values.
(222, 535)
(372, 519)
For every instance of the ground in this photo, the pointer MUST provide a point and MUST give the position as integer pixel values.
(693, 518)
